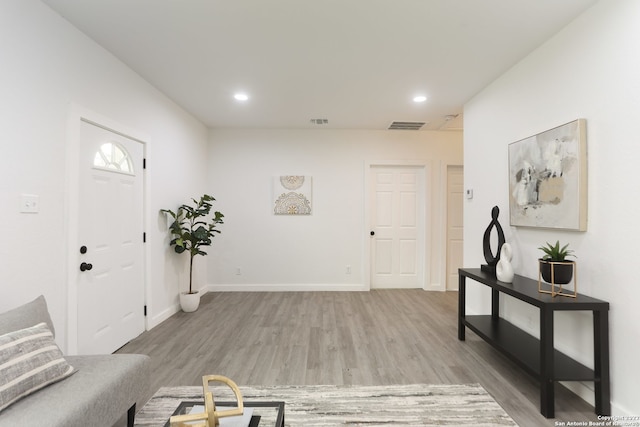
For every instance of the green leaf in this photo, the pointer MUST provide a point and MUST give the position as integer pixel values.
(555, 252)
(169, 211)
(201, 233)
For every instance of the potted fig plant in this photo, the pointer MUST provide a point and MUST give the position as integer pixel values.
(554, 267)
(191, 230)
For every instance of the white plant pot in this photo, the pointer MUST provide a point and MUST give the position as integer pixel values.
(189, 302)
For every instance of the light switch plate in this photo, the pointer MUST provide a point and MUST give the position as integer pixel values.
(29, 203)
(469, 193)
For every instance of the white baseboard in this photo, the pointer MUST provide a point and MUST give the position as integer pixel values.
(585, 391)
(154, 321)
(582, 390)
(434, 287)
(310, 287)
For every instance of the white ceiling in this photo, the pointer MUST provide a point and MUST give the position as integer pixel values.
(357, 63)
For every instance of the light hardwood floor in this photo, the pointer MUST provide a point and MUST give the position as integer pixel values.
(365, 338)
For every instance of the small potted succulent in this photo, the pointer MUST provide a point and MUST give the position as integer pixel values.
(190, 231)
(554, 267)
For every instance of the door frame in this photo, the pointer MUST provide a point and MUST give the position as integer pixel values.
(445, 207)
(77, 115)
(439, 224)
(425, 165)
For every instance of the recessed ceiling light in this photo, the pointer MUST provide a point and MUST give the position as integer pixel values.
(419, 98)
(241, 96)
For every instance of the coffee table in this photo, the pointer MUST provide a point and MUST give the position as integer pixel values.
(269, 414)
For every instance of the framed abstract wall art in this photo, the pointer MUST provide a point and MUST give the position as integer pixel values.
(292, 195)
(548, 179)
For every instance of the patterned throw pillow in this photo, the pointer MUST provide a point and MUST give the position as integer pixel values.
(29, 361)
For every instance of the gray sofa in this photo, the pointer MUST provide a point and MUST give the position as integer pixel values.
(102, 390)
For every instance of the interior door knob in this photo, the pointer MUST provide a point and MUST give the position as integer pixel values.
(373, 233)
(85, 266)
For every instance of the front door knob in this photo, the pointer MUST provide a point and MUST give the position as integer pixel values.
(85, 266)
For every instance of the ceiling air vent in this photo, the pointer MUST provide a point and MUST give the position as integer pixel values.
(319, 121)
(406, 125)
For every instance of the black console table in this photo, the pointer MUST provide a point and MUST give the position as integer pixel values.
(538, 356)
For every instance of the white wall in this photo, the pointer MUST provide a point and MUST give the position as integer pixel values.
(47, 65)
(309, 252)
(589, 70)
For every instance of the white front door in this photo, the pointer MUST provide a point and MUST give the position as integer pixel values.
(398, 235)
(110, 285)
(455, 228)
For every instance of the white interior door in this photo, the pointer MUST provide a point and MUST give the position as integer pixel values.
(110, 285)
(397, 217)
(455, 200)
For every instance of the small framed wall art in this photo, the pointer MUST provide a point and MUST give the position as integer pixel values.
(548, 179)
(292, 195)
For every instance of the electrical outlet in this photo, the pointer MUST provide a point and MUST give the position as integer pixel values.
(238, 271)
(29, 203)
(348, 269)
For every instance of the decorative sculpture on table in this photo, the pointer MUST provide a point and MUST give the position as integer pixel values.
(209, 418)
(492, 260)
(504, 269)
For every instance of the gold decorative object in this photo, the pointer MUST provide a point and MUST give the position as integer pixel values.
(209, 418)
(558, 286)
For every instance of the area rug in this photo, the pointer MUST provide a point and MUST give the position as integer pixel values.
(325, 405)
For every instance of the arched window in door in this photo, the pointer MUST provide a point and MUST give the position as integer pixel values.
(113, 157)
